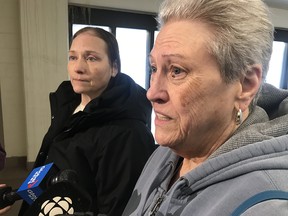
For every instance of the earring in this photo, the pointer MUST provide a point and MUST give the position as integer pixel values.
(239, 117)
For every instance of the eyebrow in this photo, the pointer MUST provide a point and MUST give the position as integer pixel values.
(169, 56)
(86, 52)
(173, 55)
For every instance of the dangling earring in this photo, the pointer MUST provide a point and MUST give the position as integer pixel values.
(239, 117)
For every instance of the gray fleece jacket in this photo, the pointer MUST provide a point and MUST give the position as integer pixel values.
(253, 160)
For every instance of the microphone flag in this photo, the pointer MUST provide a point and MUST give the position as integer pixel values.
(36, 183)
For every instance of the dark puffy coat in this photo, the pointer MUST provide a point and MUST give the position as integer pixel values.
(107, 144)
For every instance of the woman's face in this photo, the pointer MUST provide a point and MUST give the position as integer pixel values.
(194, 108)
(89, 68)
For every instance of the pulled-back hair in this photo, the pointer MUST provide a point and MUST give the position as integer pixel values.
(110, 41)
(242, 30)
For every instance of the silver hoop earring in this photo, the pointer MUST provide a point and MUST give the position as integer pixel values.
(239, 117)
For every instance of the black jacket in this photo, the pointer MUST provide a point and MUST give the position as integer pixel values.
(107, 144)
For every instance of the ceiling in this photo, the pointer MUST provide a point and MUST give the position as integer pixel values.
(281, 4)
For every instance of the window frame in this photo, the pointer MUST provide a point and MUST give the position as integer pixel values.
(281, 35)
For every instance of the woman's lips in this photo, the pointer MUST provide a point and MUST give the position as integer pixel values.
(81, 80)
(161, 119)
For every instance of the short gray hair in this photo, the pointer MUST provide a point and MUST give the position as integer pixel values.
(243, 31)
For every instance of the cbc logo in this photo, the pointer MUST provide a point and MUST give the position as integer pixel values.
(59, 205)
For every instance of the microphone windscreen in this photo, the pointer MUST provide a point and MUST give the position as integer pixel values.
(61, 198)
(64, 175)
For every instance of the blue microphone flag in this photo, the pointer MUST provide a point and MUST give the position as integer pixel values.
(35, 183)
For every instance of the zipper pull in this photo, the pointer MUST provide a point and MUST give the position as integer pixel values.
(156, 206)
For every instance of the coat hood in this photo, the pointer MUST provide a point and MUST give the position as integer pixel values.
(122, 99)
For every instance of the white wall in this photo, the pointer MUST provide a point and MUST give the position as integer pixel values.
(35, 67)
(44, 27)
(280, 17)
(130, 5)
(11, 80)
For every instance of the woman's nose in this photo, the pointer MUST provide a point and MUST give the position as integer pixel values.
(80, 66)
(157, 91)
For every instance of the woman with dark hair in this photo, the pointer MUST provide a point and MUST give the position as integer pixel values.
(99, 125)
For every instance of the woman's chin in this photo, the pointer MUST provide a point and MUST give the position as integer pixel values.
(78, 89)
(163, 141)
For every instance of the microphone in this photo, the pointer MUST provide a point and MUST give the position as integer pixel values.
(32, 187)
(43, 182)
(65, 197)
(8, 197)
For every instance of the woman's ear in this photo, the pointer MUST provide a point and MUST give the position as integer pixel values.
(114, 69)
(251, 83)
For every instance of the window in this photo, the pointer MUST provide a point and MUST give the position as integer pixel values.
(278, 67)
(277, 63)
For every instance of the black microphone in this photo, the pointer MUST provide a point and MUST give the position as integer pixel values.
(67, 175)
(8, 196)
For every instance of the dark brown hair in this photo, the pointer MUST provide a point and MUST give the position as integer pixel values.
(110, 41)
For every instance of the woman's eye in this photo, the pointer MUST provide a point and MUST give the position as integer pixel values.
(177, 73)
(153, 69)
(71, 58)
(91, 58)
